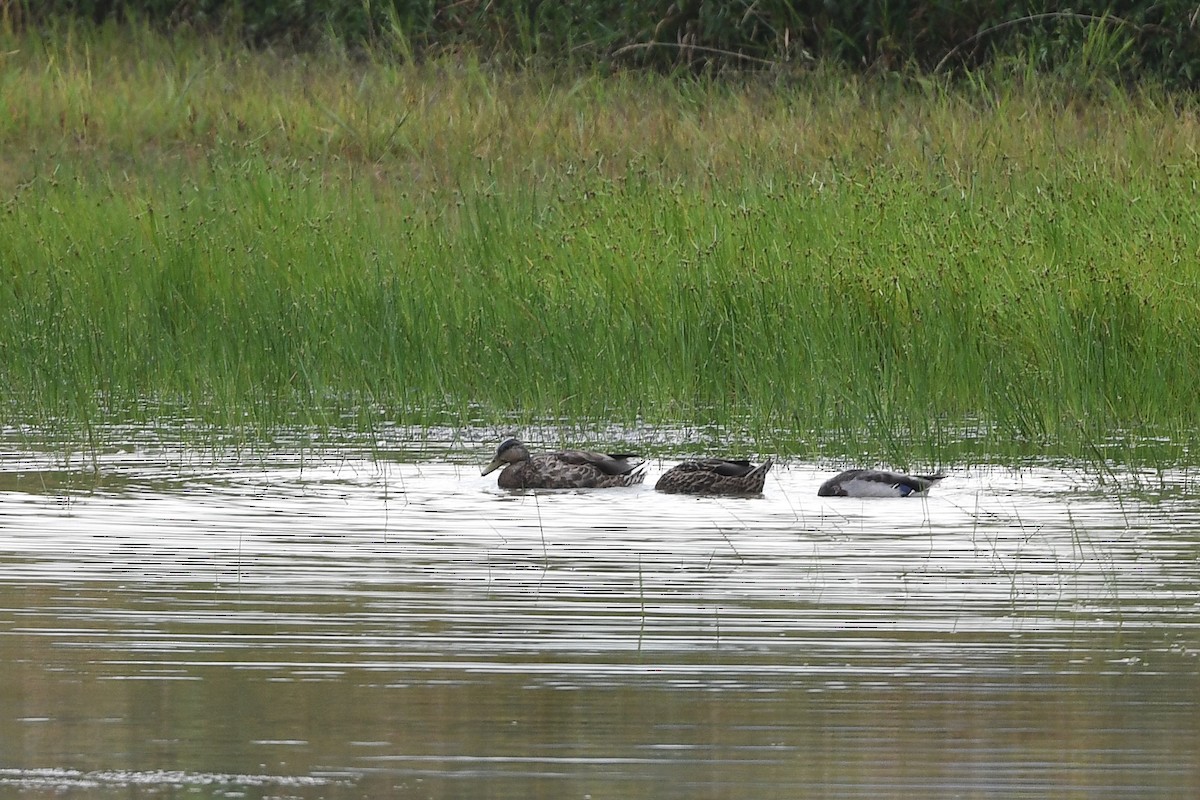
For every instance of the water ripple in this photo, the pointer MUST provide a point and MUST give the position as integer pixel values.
(389, 624)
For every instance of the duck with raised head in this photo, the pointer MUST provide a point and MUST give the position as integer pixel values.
(876, 483)
(714, 476)
(563, 469)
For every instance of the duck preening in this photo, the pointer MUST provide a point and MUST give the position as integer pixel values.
(876, 483)
(714, 476)
(564, 469)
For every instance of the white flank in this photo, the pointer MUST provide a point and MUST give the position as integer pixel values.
(858, 487)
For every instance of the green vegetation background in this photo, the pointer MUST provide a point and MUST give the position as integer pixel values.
(1158, 38)
(798, 258)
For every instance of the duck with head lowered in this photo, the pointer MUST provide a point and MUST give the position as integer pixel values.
(714, 476)
(563, 469)
(876, 483)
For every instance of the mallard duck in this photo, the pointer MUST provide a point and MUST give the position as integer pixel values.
(876, 483)
(714, 476)
(565, 469)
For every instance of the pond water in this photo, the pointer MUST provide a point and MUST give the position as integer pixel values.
(342, 627)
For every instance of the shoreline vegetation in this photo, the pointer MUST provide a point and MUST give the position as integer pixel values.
(826, 263)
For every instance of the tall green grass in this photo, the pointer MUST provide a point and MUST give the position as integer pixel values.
(822, 262)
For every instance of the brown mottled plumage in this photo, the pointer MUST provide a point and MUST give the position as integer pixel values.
(714, 476)
(564, 469)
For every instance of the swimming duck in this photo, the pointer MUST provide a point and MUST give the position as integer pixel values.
(714, 476)
(565, 469)
(876, 483)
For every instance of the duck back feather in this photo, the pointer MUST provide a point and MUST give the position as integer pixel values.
(714, 476)
(876, 483)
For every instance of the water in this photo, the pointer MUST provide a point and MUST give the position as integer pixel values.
(179, 626)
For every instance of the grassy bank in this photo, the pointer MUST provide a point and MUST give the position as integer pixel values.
(823, 262)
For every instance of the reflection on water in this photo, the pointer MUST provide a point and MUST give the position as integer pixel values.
(403, 628)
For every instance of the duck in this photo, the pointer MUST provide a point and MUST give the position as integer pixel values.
(876, 483)
(714, 476)
(564, 469)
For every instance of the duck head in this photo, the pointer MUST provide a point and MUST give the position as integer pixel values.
(510, 451)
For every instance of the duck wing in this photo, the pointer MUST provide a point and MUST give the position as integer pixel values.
(608, 463)
(729, 468)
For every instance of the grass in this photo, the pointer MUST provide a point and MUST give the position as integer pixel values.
(808, 262)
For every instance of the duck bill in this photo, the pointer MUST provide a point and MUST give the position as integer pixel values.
(492, 467)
